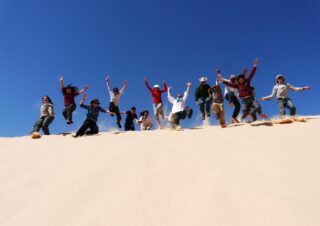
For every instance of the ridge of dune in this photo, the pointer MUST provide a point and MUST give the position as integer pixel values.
(242, 175)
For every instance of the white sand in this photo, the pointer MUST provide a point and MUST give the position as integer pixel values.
(262, 175)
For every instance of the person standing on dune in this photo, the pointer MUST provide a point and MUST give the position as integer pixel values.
(202, 97)
(280, 91)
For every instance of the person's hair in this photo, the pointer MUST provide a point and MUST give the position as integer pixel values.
(115, 90)
(74, 89)
(133, 108)
(143, 112)
(49, 99)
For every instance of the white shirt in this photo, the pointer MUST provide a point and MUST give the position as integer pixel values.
(178, 104)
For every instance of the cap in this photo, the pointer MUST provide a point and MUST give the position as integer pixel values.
(156, 86)
(203, 79)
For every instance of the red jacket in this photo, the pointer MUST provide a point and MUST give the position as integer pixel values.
(245, 89)
(156, 94)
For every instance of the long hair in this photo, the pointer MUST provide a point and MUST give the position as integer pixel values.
(49, 99)
(73, 88)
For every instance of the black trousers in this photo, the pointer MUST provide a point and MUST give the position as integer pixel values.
(129, 127)
(233, 99)
(88, 124)
(115, 109)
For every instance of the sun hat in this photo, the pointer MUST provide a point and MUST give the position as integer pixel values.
(156, 86)
(203, 79)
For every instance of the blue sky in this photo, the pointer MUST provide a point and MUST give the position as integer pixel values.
(176, 41)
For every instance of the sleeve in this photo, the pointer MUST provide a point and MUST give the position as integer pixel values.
(63, 90)
(108, 86)
(164, 88)
(149, 88)
(196, 95)
(273, 94)
(185, 96)
(296, 89)
(51, 111)
(230, 84)
(84, 106)
(253, 71)
(102, 110)
(170, 98)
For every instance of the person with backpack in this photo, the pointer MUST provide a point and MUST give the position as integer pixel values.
(46, 117)
(69, 93)
(92, 117)
(243, 85)
(115, 95)
(280, 91)
(156, 93)
(202, 97)
(179, 110)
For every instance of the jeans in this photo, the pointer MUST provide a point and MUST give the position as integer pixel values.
(286, 103)
(178, 116)
(88, 123)
(204, 103)
(67, 111)
(233, 99)
(43, 123)
(247, 105)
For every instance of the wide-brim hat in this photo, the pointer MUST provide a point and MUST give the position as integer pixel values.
(203, 79)
(95, 101)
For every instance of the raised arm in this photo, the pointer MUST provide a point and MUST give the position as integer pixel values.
(253, 71)
(108, 83)
(170, 98)
(147, 84)
(84, 97)
(165, 88)
(61, 82)
(124, 86)
(83, 89)
(225, 81)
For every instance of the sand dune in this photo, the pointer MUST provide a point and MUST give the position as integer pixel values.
(244, 175)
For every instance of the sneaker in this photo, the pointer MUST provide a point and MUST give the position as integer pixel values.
(208, 115)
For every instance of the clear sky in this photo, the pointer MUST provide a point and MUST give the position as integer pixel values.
(176, 40)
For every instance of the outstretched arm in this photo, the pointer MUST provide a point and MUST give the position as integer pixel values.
(299, 89)
(61, 82)
(273, 94)
(188, 87)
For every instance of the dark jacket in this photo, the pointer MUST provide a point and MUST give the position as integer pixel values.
(93, 113)
(202, 91)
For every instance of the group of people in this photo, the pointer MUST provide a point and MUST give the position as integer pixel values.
(206, 97)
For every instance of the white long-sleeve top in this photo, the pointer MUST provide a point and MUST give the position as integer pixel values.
(178, 104)
(281, 91)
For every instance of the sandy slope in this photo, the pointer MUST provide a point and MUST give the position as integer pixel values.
(262, 175)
